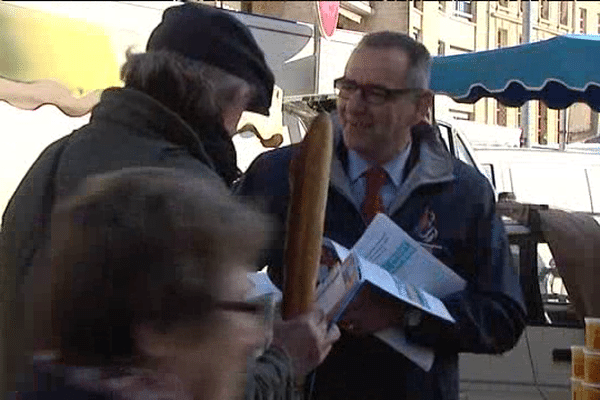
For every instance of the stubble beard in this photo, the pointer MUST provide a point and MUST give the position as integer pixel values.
(367, 142)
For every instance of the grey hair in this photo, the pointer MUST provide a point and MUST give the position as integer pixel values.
(188, 87)
(419, 70)
(144, 245)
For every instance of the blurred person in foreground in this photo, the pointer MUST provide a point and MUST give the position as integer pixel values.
(179, 108)
(148, 288)
(387, 159)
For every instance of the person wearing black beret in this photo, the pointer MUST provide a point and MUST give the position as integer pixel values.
(179, 108)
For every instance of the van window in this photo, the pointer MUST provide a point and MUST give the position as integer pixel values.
(488, 171)
(558, 308)
(548, 302)
(461, 151)
(445, 133)
(593, 178)
(559, 184)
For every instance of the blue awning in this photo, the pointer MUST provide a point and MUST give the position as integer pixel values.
(559, 71)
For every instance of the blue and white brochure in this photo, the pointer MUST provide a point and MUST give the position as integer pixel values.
(388, 259)
(355, 273)
(387, 245)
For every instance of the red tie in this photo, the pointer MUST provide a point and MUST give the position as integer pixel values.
(373, 203)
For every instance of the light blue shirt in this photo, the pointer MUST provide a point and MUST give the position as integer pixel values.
(394, 168)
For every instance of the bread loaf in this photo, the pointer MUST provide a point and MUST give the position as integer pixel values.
(309, 183)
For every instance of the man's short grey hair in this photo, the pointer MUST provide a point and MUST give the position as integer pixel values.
(190, 88)
(419, 69)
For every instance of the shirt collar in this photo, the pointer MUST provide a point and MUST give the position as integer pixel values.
(394, 168)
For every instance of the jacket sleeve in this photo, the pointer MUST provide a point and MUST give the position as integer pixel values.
(490, 314)
(265, 186)
(270, 377)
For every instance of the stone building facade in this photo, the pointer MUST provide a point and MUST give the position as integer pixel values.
(454, 27)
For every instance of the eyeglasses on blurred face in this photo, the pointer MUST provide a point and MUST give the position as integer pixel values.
(256, 308)
(372, 94)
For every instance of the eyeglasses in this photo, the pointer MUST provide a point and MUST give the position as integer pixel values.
(240, 306)
(372, 94)
(194, 305)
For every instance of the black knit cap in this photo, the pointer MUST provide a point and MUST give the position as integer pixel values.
(213, 36)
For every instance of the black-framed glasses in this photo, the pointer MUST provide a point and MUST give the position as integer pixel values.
(372, 94)
(240, 306)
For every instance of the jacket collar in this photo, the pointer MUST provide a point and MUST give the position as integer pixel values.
(147, 117)
(428, 163)
(338, 177)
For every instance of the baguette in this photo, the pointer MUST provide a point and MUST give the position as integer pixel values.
(309, 183)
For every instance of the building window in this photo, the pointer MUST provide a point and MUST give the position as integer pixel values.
(418, 4)
(544, 9)
(582, 20)
(560, 121)
(462, 115)
(502, 38)
(519, 117)
(226, 5)
(599, 24)
(353, 12)
(246, 6)
(441, 48)
(457, 50)
(564, 13)
(503, 3)
(464, 9)
(442, 5)
(542, 123)
(500, 114)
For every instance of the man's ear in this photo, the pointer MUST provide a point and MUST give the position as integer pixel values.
(424, 104)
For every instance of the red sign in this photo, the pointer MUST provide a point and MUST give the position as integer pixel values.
(328, 16)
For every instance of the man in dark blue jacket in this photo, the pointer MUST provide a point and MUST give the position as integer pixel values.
(383, 100)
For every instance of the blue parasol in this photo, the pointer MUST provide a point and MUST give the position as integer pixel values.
(559, 71)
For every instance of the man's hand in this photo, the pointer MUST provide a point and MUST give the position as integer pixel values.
(369, 313)
(305, 339)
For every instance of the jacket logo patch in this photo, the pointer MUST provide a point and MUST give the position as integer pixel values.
(426, 230)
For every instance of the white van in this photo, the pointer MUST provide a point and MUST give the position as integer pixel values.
(539, 366)
(568, 179)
